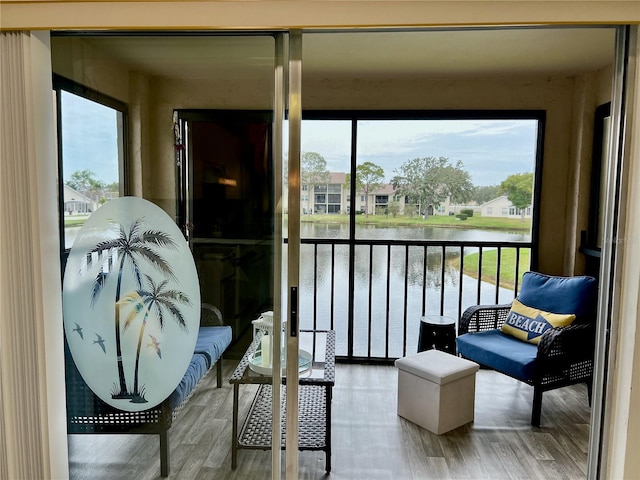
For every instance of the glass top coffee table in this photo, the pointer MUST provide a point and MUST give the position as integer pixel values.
(315, 394)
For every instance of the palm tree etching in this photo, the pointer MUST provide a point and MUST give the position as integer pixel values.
(162, 301)
(131, 247)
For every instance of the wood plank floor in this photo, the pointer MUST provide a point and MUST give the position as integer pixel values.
(369, 440)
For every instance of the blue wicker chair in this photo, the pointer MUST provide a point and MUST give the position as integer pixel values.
(564, 355)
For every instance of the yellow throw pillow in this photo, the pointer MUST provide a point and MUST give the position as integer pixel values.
(528, 324)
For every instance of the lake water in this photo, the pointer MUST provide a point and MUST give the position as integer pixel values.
(376, 232)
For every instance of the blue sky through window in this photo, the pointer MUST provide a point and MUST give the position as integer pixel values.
(490, 150)
(89, 138)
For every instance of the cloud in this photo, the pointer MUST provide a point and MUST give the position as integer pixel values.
(490, 150)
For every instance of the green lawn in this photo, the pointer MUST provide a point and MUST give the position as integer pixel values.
(489, 262)
(74, 222)
(475, 222)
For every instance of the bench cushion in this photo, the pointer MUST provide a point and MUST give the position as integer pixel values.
(210, 345)
(196, 370)
(212, 342)
(501, 352)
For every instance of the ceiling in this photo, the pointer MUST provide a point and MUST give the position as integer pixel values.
(462, 52)
(436, 53)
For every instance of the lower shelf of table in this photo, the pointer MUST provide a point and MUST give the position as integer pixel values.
(312, 426)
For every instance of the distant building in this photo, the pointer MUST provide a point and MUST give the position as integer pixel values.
(75, 203)
(327, 197)
(502, 207)
(333, 198)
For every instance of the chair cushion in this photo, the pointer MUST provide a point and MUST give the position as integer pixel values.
(212, 342)
(576, 295)
(528, 324)
(501, 352)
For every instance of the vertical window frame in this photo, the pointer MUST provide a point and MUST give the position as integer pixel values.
(62, 84)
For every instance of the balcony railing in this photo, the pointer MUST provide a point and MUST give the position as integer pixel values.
(374, 292)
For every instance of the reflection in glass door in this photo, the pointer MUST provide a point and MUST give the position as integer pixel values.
(230, 210)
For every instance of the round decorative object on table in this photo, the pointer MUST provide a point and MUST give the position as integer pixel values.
(437, 332)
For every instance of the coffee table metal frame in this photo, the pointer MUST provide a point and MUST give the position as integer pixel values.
(315, 394)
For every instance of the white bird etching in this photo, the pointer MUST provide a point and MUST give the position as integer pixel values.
(155, 344)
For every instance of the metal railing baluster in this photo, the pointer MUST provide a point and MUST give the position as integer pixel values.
(406, 294)
(424, 281)
(517, 273)
(442, 279)
(333, 281)
(386, 337)
(498, 260)
(370, 299)
(479, 279)
(461, 277)
(315, 287)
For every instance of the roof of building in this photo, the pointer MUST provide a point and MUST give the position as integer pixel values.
(500, 199)
(337, 177)
(71, 194)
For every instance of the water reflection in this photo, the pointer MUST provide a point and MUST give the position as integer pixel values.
(379, 232)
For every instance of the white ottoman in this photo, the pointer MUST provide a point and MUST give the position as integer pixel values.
(436, 390)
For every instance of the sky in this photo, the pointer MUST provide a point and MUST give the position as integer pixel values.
(89, 138)
(490, 150)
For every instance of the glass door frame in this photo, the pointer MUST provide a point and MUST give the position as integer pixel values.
(281, 98)
(293, 262)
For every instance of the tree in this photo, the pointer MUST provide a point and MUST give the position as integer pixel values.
(393, 209)
(410, 210)
(430, 180)
(313, 169)
(127, 247)
(162, 302)
(519, 190)
(482, 194)
(84, 181)
(369, 178)
(112, 187)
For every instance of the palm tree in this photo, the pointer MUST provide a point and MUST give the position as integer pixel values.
(131, 247)
(162, 302)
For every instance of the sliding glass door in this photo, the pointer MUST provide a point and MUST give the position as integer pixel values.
(205, 143)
